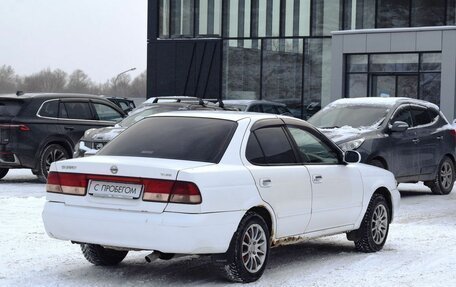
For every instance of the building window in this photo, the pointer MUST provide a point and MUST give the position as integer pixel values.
(236, 16)
(428, 13)
(208, 17)
(266, 18)
(413, 75)
(296, 17)
(164, 19)
(393, 13)
(326, 17)
(241, 69)
(282, 72)
(182, 18)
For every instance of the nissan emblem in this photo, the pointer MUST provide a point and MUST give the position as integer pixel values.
(114, 169)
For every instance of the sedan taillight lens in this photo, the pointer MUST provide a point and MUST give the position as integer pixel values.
(67, 183)
(157, 190)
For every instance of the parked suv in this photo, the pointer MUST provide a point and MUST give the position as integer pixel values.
(411, 138)
(125, 104)
(95, 139)
(259, 106)
(38, 129)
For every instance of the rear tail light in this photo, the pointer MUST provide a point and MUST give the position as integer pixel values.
(171, 191)
(156, 190)
(453, 133)
(23, 128)
(67, 183)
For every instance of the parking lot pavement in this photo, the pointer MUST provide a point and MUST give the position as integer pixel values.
(420, 251)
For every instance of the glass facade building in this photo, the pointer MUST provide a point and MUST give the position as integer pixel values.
(281, 50)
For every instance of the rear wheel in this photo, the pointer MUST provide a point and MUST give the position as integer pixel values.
(3, 172)
(248, 254)
(374, 227)
(50, 154)
(444, 181)
(98, 255)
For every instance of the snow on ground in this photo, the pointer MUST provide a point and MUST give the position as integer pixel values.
(420, 251)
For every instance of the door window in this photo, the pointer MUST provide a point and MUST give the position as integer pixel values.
(403, 115)
(276, 148)
(78, 110)
(253, 153)
(255, 109)
(312, 149)
(420, 116)
(269, 109)
(106, 113)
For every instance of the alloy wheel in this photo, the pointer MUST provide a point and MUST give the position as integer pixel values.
(254, 247)
(54, 155)
(446, 175)
(379, 224)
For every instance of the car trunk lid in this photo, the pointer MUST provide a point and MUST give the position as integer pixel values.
(106, 175)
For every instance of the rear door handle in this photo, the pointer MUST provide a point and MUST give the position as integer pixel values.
(416, 141)
(265, 182)
(69, 128)
(317, 179)
(439, 138)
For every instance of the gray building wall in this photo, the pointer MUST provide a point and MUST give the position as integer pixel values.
(423, 39)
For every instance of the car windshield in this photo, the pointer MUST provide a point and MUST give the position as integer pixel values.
(181, 138)
(353, 116)
(128, 121)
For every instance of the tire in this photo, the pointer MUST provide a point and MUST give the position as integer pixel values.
(375, 226)
(50, 154)
(444, 181)
(3, 172)
(238, 264)
(100, 256)
(377, 163)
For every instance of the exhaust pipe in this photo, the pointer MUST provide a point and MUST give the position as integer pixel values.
(158, 255)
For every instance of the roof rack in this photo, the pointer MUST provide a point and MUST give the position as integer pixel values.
(177, 99)
(20, 93)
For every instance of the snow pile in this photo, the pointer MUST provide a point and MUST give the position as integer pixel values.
(420, 251)
(345, 133)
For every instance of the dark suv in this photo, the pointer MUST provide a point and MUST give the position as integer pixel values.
(38, 129)
(411, 138)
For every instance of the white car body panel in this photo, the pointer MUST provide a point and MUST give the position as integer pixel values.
(229, 189)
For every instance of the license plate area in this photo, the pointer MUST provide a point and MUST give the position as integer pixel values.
(115, 189)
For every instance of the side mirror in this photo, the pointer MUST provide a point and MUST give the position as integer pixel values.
(399, 126)
(352, 156)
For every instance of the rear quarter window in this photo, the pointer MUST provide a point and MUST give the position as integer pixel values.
(49, 109)
(180, 138)
(10, 108)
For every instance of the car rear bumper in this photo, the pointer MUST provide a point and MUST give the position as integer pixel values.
(166, 232)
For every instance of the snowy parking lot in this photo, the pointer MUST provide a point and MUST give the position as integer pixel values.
(420, 251)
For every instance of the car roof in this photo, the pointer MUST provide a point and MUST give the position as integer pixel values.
(381, 101)
(248, 102)
(223, 115)
(50, 96)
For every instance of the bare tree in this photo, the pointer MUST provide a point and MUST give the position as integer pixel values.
(8, 80)
(79, 82)
(46, 81)
(138, 88)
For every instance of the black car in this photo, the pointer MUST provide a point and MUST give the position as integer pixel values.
(411, 138)
(95, 139)
(125, 104)
(38, 129)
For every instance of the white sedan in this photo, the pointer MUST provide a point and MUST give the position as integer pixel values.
(231, 185)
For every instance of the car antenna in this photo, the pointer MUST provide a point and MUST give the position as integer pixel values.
(20, 93)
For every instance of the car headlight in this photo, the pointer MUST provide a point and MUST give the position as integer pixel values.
(352, 145)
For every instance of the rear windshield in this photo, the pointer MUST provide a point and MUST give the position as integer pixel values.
(181, 138)
(9, 108)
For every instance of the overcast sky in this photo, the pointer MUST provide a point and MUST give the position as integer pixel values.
(100, 37)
